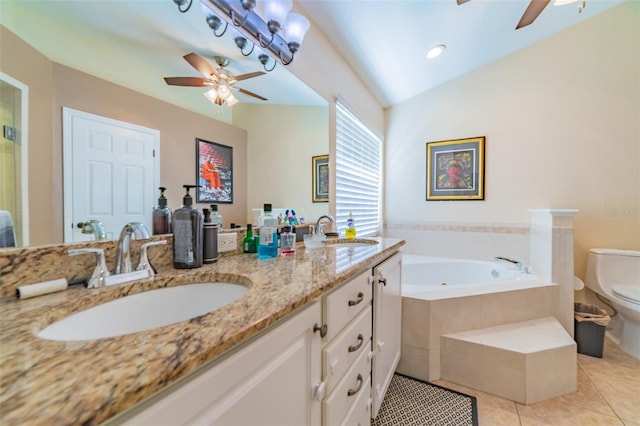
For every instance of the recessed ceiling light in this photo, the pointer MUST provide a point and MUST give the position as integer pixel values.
(436, 51)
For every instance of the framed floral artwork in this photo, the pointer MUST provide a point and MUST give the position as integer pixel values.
(455, 169)
(320, 167)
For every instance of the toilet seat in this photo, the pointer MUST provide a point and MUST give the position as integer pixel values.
(630, 293)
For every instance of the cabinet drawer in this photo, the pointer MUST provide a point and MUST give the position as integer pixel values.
(360, 413)
(338, 356)
(346, 302)
(348, 390)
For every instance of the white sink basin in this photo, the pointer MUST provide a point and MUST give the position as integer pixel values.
(143, 311)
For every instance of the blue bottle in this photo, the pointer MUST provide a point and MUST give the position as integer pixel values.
(268, 246)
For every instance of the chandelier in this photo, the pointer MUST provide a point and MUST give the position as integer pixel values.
(280, 32)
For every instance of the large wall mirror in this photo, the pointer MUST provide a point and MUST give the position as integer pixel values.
(111, 59)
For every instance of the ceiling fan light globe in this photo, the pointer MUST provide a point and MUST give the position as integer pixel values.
(563, 2)
(224, 92)
(295, 27)
(232, 100)
(211, 94)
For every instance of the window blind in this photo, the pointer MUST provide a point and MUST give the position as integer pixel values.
(358, 174)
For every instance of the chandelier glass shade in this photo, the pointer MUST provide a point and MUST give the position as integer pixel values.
(279, 33)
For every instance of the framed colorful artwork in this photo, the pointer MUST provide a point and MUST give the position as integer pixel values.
(214, 172)
(320, 166)
(455, 169)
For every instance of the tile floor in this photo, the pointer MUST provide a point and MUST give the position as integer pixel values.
(608, 394)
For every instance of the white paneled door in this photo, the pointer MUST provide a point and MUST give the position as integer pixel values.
(111, 173)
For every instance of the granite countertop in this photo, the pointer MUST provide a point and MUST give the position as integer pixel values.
(87, 382)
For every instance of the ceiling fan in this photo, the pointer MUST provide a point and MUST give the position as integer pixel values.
(221, 81)
(534, 9)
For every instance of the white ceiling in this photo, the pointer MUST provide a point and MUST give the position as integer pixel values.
(137, 42)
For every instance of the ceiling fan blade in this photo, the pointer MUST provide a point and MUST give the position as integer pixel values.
(187, 81)
(246, 92)
(533, 10)
(203, 67)
(462, 2)
(247, 76)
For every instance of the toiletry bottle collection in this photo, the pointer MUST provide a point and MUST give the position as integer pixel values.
(195, 232)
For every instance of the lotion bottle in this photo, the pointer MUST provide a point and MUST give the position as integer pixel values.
(187, 234)
(162, 215)
(350, 233)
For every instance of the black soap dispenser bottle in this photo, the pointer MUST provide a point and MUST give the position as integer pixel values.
(187, 234)
(162, 215)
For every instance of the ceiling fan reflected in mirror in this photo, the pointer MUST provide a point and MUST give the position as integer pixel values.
(221, 81)
(535, 8)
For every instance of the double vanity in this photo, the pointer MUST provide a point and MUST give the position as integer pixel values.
(311, 339)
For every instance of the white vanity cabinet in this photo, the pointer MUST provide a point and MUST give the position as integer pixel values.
(346, 356)
(270, 381)
(387, 326)
(362, 345)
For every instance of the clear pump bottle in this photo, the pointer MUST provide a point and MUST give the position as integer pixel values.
(187, 234)
(216, 217)
(162, 215)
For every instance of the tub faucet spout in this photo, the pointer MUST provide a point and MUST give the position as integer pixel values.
(123, 255)
(522, 266)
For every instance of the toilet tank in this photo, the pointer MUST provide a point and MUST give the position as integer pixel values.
(607, 267)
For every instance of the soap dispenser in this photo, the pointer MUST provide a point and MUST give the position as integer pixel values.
(162, 215)
(187, 233)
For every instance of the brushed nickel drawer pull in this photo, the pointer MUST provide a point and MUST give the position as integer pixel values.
(360, 299)
(322, 329)
(352, 392)
(358, 345)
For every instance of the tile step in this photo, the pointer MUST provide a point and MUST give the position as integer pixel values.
(525, 362)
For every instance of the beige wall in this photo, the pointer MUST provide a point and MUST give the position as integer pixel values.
(281, 141)
(562, 126)
(52, 86)
(23, 63)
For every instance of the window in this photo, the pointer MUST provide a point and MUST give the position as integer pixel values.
(358, 174)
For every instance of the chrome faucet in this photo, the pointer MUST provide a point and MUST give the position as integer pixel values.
(94, 227)
(123, 255)
(522, 266)
(331, 220)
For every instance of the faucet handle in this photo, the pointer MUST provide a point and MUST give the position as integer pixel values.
(144, 264)
(100, 272)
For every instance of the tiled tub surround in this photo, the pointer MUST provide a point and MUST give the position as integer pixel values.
(547, 244)
(425, 321)
(49, 382)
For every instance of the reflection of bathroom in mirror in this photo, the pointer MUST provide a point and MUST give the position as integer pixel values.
(273, 142)
(14, 230)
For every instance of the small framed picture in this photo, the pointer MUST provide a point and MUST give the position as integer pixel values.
(320, 167)
(455, 169)
(214, 172)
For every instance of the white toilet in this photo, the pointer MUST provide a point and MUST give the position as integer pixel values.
(615, 275)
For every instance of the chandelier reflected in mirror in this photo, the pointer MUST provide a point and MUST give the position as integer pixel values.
(279, 31)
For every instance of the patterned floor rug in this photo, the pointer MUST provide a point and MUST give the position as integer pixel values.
(413, 402)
